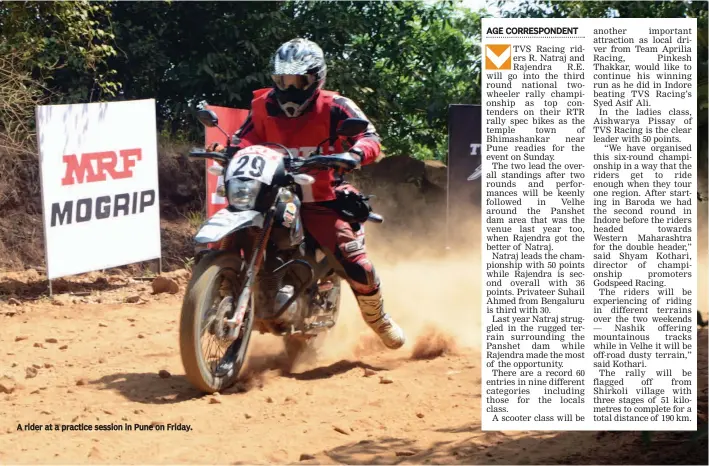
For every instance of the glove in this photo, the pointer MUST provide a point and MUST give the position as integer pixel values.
(215, 147)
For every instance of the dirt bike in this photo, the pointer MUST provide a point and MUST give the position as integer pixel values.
(266, 273)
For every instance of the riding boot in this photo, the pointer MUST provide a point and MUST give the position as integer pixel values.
(372, 309)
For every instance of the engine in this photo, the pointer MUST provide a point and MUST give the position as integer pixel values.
(292, 315)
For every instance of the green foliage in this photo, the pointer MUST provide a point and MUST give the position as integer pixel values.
(182, 53)
(402, 62)
(63, 44)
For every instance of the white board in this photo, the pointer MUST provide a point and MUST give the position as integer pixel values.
(99, 176)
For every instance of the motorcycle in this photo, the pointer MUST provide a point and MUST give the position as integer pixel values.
(265, 274)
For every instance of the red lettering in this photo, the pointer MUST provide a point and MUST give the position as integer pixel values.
(77, 171)
(82, 171)
(267, 152)
(129, 156)
(106, 163)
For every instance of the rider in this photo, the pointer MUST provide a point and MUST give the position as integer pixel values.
(298, 113)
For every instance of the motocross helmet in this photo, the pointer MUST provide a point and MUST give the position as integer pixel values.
(298, 71)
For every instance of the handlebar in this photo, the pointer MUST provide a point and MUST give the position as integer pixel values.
(218, 156)
(375, 218)
(344, 161)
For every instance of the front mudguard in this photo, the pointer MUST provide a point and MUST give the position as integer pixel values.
(225, 222)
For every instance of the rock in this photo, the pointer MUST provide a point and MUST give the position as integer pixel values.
(7, 384)
(51, 340)
(306, 457)
(180, 275)
(340, 430)
(101, 360)
(420, 415)
(140, 335)
(30, 373)
(405, 453)
(101, 324)
(164, 374)
(21, 337)
(36, 366)
(385, 380)
(163, 284)
(132, 299)
(82, 381)
(63, 347)
(14, 302)
(61, 299)
(269, 400)
(369, 372)
(215, 399)
(247, 416)
(35, 392)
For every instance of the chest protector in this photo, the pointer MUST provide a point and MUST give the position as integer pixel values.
(301, 135)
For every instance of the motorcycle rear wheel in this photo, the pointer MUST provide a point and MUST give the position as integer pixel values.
(197, 308)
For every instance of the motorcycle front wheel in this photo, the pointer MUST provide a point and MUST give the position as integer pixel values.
(210, 298)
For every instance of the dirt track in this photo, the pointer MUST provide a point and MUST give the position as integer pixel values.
(104, 368)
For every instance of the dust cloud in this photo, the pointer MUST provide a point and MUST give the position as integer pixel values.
(432, 291)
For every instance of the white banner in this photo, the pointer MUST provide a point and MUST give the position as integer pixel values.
(99, 175)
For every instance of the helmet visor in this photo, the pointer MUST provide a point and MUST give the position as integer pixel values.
(298, 81)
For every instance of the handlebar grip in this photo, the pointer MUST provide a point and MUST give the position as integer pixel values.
(209, 155)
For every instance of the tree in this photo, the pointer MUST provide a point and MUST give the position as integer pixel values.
(403, 62)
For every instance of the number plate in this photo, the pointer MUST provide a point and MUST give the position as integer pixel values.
(255, 162)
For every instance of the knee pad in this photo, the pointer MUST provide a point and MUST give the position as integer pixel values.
(362, 276)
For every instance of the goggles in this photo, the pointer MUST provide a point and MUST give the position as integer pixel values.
(299, 81)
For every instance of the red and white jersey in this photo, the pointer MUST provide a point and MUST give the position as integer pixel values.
(267, 123)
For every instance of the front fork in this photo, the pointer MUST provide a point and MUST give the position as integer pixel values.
(234, 323)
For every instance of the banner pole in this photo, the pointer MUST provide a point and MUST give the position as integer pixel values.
(448, 182)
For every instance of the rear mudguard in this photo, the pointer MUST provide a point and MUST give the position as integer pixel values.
(225, 222)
